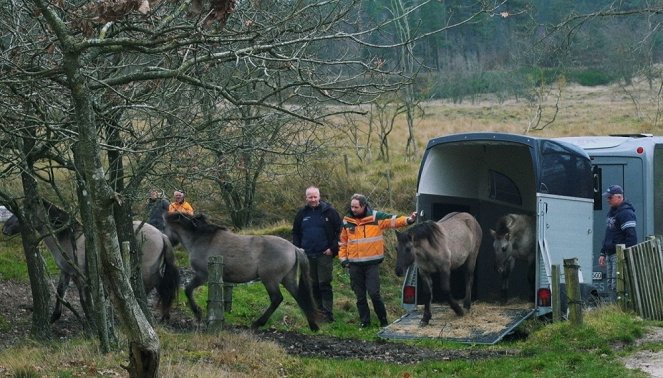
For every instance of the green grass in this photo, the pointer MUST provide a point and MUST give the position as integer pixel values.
(12, 260)
(550, 350)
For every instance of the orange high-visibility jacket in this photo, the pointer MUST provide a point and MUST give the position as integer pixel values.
(184, 208)
(361, 238)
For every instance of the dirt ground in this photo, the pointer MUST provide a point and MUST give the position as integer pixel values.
(15, 308)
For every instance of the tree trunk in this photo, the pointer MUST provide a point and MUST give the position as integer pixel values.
(41, 327)
(144, 346)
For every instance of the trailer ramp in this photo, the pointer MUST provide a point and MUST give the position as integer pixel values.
(484, 324)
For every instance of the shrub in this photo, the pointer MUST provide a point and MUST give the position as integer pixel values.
(591, 77)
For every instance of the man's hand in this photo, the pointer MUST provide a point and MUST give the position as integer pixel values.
(345, 263)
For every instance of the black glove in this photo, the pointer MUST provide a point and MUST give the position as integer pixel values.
(345, 263)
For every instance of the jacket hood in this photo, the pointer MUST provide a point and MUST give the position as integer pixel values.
(322, 206)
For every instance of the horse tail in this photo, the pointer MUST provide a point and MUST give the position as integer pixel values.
(305, 291)
(170, 281)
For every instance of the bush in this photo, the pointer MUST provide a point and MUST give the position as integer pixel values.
(591, 77)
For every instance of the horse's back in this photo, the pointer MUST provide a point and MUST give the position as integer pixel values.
(464, 223)
(458, 239)
(152, 243)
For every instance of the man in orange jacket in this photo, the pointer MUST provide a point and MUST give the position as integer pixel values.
(362, 250)
(180, 205)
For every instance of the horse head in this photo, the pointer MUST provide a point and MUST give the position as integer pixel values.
(12, 226)
(404, 254)
(503, 246)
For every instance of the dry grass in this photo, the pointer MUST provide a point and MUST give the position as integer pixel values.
(600, 110)
(482, 319)
(192, 355)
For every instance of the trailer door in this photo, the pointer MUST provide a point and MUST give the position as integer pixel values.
(564, 231)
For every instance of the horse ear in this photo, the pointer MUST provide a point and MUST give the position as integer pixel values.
(507, 236)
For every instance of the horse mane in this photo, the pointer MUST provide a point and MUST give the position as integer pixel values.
(195, 223)
(425, 230)
(58, 216)
(503, 225)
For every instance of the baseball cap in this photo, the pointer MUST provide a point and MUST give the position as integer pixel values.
(612, 190)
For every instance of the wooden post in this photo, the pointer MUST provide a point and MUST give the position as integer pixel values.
(347, 165)
(620, 278)
(215, 315)
(573, 298)
(389, 192)
(556, 297)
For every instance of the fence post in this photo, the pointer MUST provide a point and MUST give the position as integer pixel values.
(556, 297)
(573, 299)
(215, 315)
(620, 278)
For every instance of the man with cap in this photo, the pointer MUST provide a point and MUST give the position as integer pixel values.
(620, 229)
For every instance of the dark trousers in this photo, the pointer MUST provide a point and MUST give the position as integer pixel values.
(321, 277)
(366, 279)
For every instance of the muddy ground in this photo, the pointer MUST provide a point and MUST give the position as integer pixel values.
(15, 309)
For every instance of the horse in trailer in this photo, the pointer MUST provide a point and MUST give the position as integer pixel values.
(271, 259)
(67, 244)
(442, 246)
(513, 239)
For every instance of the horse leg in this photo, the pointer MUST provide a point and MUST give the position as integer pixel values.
(196, 281)
(505, 289)
(63, 284)
(167, 288)
(469, 282)
(445, 276)
(425, 319)
(275, 298)
(303, 293)
(508, 268)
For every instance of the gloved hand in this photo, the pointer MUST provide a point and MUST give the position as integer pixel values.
(345, 263)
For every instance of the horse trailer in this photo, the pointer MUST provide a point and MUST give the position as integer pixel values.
(636, 163)
(489, 175)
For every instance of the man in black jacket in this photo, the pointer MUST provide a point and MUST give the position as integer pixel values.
(316, 229)
(156, 207)
(620, 229)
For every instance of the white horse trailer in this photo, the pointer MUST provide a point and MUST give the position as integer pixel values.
(636, 163)
(492, 174)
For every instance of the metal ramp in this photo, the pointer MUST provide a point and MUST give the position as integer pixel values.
(485, 323)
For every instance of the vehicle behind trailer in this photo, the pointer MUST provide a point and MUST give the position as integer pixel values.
(635, 162)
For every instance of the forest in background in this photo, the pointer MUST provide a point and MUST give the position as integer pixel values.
(521, 44)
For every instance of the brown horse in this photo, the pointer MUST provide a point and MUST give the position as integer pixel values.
(442, 246)
(513, 239)
(271, 259)
(67, 245)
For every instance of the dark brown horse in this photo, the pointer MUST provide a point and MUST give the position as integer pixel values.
(440, 247)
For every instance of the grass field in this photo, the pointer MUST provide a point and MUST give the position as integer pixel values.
(549, 350)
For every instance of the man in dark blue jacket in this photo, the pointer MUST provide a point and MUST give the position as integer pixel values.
(316, 229)
(620, 229)
(156, 207)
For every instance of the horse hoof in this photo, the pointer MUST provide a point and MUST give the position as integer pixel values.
(314, 327)
(423, 323)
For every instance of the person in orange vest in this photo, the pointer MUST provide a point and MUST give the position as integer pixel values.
(180, 205)
(362, 251)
